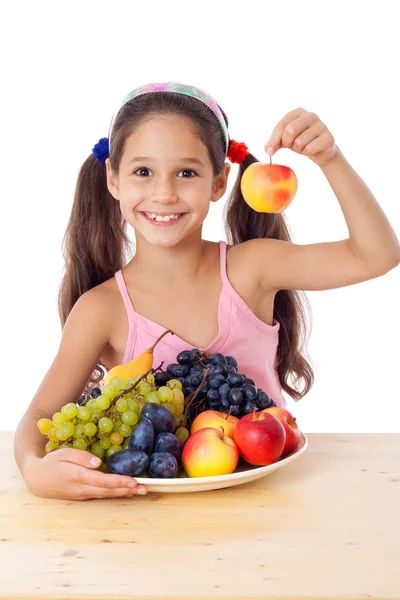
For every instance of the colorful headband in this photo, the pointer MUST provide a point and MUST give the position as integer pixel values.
(235, 151)
(176, 88)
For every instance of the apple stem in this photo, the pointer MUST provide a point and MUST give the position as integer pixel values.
(230, 408)
(254, 412)
(223, 431)
(270, 159)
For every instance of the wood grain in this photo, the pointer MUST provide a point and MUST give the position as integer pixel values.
(325, 526)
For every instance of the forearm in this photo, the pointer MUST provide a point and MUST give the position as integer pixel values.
(372, 238)
(28, 441)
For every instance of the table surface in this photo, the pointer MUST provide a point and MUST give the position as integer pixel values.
(326, 525)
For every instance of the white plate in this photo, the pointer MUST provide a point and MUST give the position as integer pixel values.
(243, 474)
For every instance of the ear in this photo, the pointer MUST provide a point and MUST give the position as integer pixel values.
(221, 183)
(112, 180)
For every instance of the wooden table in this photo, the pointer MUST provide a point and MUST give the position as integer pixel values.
(325, 526)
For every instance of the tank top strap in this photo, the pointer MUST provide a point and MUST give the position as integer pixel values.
(222, 262)
(125, 296)
(131, 313)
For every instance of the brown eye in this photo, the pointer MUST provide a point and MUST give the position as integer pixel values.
(188, 171)
(141, 169)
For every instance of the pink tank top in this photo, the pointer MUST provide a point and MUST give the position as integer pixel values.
(241, 334)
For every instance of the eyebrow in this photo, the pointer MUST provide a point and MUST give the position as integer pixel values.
(188, 159)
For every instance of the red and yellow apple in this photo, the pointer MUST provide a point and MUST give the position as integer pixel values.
(209, 452)
(291, 428)
(217, 419)
(260, 438)
(268, 188)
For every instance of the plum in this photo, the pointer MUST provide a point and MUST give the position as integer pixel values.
(142, 437)
(161, 418)
(128, 462)
(168, 442)
(163, 465)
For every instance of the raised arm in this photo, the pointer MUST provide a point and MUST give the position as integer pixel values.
(372, 248)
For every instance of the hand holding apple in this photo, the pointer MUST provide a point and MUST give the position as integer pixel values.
(271, 188)
(304, 133)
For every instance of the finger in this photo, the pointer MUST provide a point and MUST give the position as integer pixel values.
(303, 138)
(274, 142)
(320, 144)
(79, 457)
(298, 127)
(90, 491)
(105, 480)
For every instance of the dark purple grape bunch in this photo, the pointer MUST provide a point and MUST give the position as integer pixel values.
(153, 449)
(224, 389)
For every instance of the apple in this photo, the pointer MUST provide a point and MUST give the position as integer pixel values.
(217, 419)
(290, 425)
(209, 452)
(268, 188)
(260, 438)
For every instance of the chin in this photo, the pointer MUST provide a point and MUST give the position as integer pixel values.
(159, 239)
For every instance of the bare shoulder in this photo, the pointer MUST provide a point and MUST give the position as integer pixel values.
(94, 312)
(244, 274)
(104, 302)
(85, 335)
(261, 259)
(243, 262)
(90, 315)
(97, 300)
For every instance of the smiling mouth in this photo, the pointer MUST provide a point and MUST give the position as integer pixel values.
(162, 217)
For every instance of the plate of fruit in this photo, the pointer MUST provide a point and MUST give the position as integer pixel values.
(198, 425)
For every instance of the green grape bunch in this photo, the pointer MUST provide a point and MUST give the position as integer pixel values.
(103, 422)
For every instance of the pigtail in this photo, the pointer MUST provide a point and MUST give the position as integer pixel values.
(242, 223)
(94, 244)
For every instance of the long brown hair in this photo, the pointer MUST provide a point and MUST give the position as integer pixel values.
(96, 244)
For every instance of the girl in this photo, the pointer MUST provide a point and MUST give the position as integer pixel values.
(160, 167)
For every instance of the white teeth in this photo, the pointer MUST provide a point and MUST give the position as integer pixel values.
(162, 217)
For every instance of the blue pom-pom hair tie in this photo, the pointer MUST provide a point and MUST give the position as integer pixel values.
(101, 150)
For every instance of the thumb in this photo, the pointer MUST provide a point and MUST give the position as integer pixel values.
(79, 457)
(269, 148)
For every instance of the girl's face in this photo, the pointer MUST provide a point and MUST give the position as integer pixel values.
(173, 179)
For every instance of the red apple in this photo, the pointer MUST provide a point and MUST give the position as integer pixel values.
(217, 419)
(260, 438)
(209, 452)
(268, 188)
(290, 425)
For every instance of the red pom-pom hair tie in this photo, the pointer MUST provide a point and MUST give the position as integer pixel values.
(237, 152)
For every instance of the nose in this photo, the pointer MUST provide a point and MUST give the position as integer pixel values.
(164, 192)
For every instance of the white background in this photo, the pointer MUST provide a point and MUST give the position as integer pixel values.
(65, 70)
